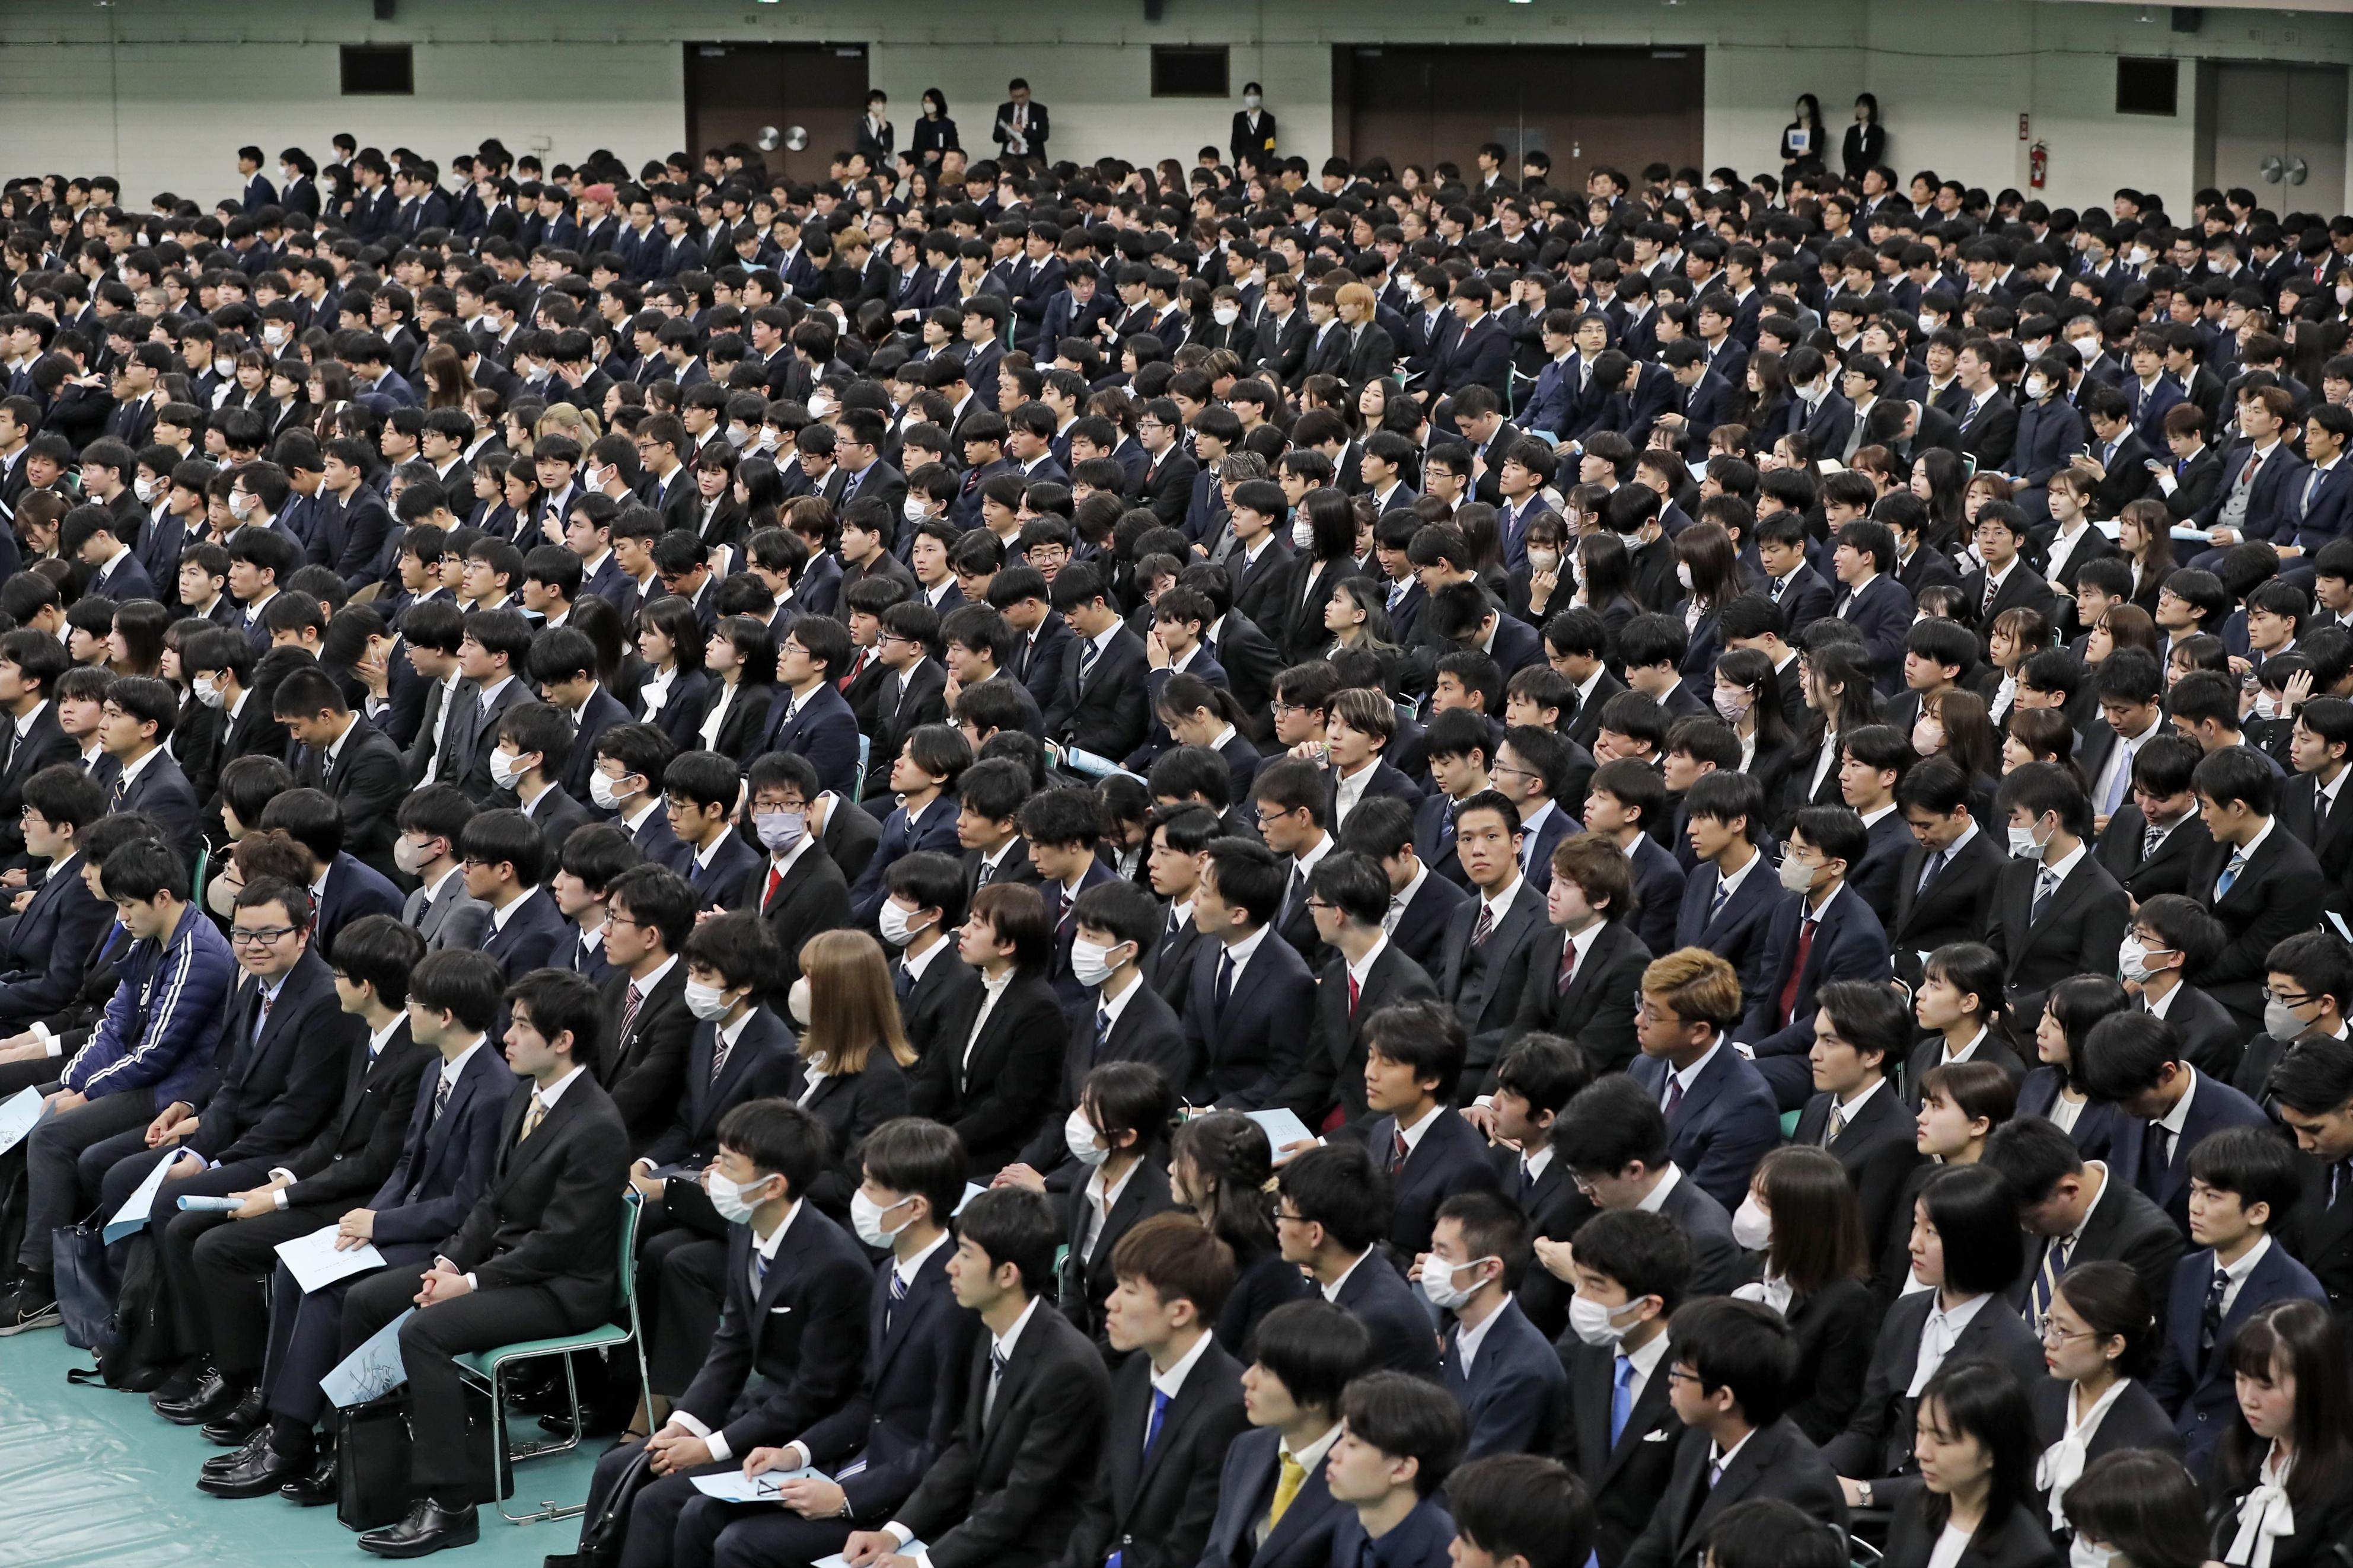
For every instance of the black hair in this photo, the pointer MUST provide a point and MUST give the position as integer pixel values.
(1740, 1345)
(1407, 1418)
(1975, 1213)
(1015, 1225)
(1612, 1123)
(465, 983)
(2255, 1162)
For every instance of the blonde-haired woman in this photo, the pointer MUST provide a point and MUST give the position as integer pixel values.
(853, 1053)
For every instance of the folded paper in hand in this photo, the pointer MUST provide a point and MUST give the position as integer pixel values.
(132, 1218)
(734, 1486)
(314, 1262)
(1282, 1126)
(912, 1548)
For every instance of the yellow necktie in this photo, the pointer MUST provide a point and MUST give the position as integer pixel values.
(533, 1117)
(1294, 1476)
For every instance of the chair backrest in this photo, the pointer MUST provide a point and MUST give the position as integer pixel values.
(858, 784)
(624, 1278)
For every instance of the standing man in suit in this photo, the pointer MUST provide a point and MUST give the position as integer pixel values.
(1732, 1379)
(1013, 1475)
(534, 1258)
(1021, 131)
(1274, 1509)
(1176, 1401)
(432, 823)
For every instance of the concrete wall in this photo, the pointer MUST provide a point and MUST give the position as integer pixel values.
(162, 92)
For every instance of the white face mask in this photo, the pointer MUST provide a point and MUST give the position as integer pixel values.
(209, 694)
(731, 1197)
(705, 1002)
(897, 926)
(796, 1001)
(1752, 1227)
(1250, 100)
(2036, 387)
(505, 769)
(1796, 876)
(600, 790)
(1596, 1324)
(224, 368)
(866, 1219)
(912, 509)
(2023, 844)
(1086, 1145)
(2133, 959)
(1683, 575)
(1437, 1278)
(240, 505)
(1544, 560)
(2082, 1553)
(273, 336)
(144, 488)
(822, 406)
(404, 854)
(1302, 534)
(2266, 706)
(2089, 348)
(1226, 315)
(1090, 963)
(2280, 1021)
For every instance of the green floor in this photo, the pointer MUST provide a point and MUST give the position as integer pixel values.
(90, 1476)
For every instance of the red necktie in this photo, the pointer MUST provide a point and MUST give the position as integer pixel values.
(1354, 992)
(775, 880)
(1568, 966)
(1797, 969)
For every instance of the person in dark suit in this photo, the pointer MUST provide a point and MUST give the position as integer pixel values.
(1730, 899)
(790, 1349)
(2258, 881)
(534, 1258)
(2104, 1333)
(2057, 912)
(1307, 1354)
(347, 758)
(922, 919)
(2308, 1091)
(989, 1071)
(1731, 1380)
(1414, 1053)
(700, 791)
(1402, 1439)
(49, 943)
(2136, 1061)
(1117, 1129)
(918, 1343)
(2077, 1211)
(1013, 1474)
(1721, 1117)
(2248, 1182)
(1858, 1114)
(1154, 1496)
(1101, 707)
(1966, 1247)
(505, 858)
(2157, 840)
(1583, 974)
(1826, 933)
(1511, 1388)
(1618, 1429)
(649, 910)
(1250, 1000)
(1977, 1480)
(30, 663)
(1332, 1209)
(1484, 951)
(809, 716)
(1871, 601)
(1348, 895)
(1943, 887)
(136, 720)
(1614, 1137)
(447, 1154)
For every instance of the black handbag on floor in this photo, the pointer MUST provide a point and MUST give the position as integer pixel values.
(372, 1454)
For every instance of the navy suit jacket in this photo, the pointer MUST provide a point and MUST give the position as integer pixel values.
(1724, 1123)
(531, 937)
(353, 890)
(822, 729)
(1420, 1539)
(1658, 894)
(1883, 614)
(1248, 1049)
(446, 1163)
(162, 792)
(1246, 1485)
(49, 943)
(1512, 1389)
(1740, 929)
(2198, 1390)
(1450, 1158)
(1849, 944)
(936, 832)
(725, 883)
(2213, 1106)
(1396, 1316)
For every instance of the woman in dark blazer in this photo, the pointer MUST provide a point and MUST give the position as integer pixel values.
(1118, 1131)
(2053, 1090)
(1527, 599)
(1864, 147)
(1219, 1165)
(741, 656)
(1746, 684)
(1605, 585)
(1976, 1465)
(1815, 1270)
(2099, 1336)
(853, 1054)
(1324, 531)
(2285, 1468)
(934, 132)
(670, 639)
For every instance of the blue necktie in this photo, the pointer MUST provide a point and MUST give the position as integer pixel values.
(1723, 897)
(1621, 1399)
(2231, 873)
(1160, 1400)
(898, 1298)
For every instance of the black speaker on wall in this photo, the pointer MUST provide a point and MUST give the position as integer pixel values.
(2189, 18)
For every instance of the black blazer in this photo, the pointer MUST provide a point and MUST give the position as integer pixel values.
(1155, 1509)
(2167, 871)
(50, 944)
(1776, 1461)
(275, 1088)
(645, 1069)
(2274, 896)
(361, 1142)
(1251, 1047)
(1448, 1159)
(1878, 1441)
(1625, 1479)
(2021, 1540)
(1596, 1012)
(2124, 1227)
(996, 1098)
(367, 784)
(2135, 1421)
(1332, 1071)
(1395, 1315)
(446, 1162)
(1246, 1485)
(1146, 1031)
(1952, 908)
(759, 1066)
(1835, 1327)
(552, 1210)
(1483, 982)
(1087, 1278)
(1877, 1150)
(1007, 1489)
(2078, 934)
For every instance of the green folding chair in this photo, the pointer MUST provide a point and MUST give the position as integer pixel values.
(858, 784)
(487, 1370)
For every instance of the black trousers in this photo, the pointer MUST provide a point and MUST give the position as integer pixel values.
(307, 1337)
(680, 1276)
(714, 1534)
(54, 1193)
(654, 1510)
(219, 1271)
(430, 1343)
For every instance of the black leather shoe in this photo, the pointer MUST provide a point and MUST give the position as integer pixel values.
(255, 1441)
(427, 1528)
(178, 1387)
(258, 1476)
(240, 1422)
(315, 1488)
(213, 1397)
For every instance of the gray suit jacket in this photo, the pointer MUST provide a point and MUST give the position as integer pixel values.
(455, 919)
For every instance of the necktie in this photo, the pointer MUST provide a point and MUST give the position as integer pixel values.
(1929, 872)
(1225, 987)
(1484, 927)
(2231, 873)
(759, 1272)
(2209, 1322)
(902, 981)
(121, 789)
(775, 880)
(898, 1298)
(1674, 1095)
(2155, 1158)
(533, 1117)
(1723, 897)
(1986, 605)
(2046, 885)
(2119, 779)
(1797, 969)
(1160, 1401)
(1396, 594)
(1397, 1152)
(629, 1005)
(1621, 1399)
(440, 1097)
(1089, 651)
(1286, 1488)
(988, 875)
(1297, 890)
(262, 1002)
(720, 1046)
(2340, 1181)
(1354, 992)
(2149, 840)
(2046, 1280)
(1103, 1033)
(1567, 967)
(1838, 1125)
(997, 1359)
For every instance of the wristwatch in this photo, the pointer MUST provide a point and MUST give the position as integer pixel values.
(1864, 1488)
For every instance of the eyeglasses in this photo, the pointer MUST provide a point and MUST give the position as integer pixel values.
(259, 936)
(2284, 1000)
(2052, 1330)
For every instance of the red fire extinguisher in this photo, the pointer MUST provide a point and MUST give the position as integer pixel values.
(2038, 165)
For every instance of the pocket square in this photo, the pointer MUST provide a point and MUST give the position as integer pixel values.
(1661, 1435)
(779, 1311)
